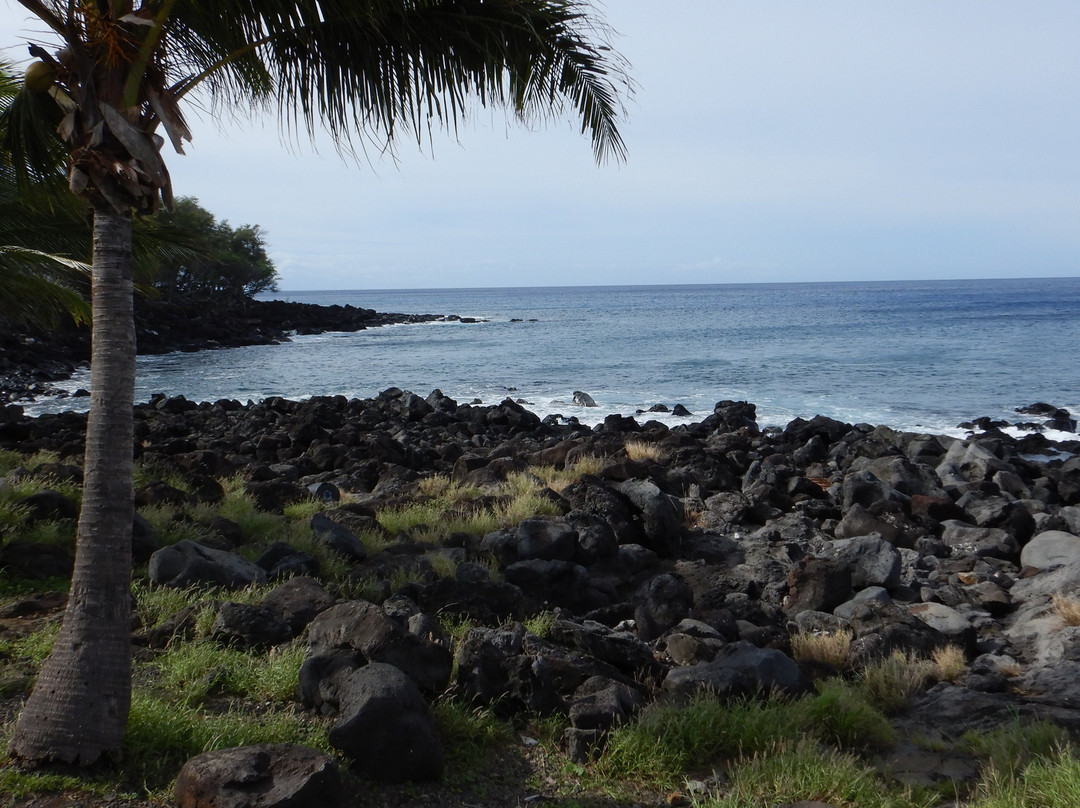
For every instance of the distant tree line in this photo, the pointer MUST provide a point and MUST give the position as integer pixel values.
(219, 261)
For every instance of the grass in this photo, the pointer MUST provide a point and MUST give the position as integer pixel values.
(162, 735)
(1009, 750)
(795, 771)
(641, 450)
(32, 648)
(1051, 782)
(829, 648)
(951, 663)
(667, 740)
(893, 680)
(430, 521)
(1067, 608)
(193, 671)
(844, 715)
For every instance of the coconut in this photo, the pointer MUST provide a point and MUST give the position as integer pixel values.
(40, 76)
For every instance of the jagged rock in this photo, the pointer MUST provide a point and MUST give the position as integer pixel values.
(363, 627)
(582, 399)
(871, 560)
(979, 541)
(949, 622)
(545, 539)
(249, 626)
(266, 776)
(817, 584)
(740, 668)
(661, 603)
(337, 537)
(602, 703)
(297, 601)
(386, 727)
(187, 562)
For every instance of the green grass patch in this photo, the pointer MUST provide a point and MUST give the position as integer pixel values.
(668, 740)
(17, 784)
(792, 772)
(14, 587)
(469, 734)
(844, 715)
(33, 648)
(162, 734)
(1007, 750)
(172, 524)
(1052, 782)
(193, 671)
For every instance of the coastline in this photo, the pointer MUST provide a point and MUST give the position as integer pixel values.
(33, 361)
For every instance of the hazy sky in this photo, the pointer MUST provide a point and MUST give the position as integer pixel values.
(768, 140)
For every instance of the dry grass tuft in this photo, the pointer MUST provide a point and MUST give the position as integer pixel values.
(641, 450)
(951, 663)
(829, 648)
(1067, 608)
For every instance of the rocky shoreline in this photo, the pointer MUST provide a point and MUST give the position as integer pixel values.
(688, 561)
(31, 363)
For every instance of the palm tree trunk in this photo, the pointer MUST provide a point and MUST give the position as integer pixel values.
(78, 710)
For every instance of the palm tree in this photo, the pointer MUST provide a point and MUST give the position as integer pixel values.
(360, 69)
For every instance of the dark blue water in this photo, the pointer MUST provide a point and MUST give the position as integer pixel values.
(915, 355)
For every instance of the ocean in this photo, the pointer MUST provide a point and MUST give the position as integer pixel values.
(915, 355)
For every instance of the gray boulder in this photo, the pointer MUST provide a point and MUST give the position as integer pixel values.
(871, 560)
(248, 626)
(386, 727)
(337, 537)
(965, 539)
(545, 539)
(1053, 548)
(583, 399)
(298, 601)
(660, 518)
(602, 703)
(266, 776)
(740, 668)
(661, 603)
(188, 562)
(363, 627)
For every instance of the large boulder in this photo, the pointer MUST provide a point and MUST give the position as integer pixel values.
(249, 626)
(871, 560)
(268, 776)
(363, 627)
(298, 601)
(386, 727)
(1052, 548)
(188, 562)
(739, 669)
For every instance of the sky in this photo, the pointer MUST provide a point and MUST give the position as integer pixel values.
(768, 140)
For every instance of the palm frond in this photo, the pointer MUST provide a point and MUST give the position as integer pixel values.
(38, 288)
(382, 66)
